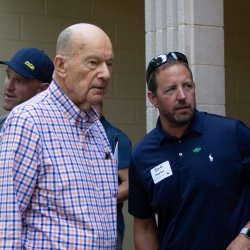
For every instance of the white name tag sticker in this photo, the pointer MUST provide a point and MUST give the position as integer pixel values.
(161, 172)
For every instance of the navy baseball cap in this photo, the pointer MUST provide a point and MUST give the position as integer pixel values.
(31, 63)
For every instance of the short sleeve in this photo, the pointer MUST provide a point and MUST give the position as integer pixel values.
(243, 137)
(138, 201)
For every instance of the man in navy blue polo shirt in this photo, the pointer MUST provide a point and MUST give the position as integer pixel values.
(189, 178)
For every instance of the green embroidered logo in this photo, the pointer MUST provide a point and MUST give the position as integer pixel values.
(30, 65)
(196, 150)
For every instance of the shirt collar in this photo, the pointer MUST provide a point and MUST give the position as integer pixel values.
(196, 126)
(72, 112)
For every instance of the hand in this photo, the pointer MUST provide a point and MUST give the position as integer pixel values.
(241, 242)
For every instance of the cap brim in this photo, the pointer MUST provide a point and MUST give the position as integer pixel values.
(4, 62)
(17, 69)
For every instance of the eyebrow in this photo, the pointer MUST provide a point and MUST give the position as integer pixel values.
(96, 56)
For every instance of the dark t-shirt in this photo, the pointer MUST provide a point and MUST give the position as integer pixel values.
(114, 135)
(2, 120)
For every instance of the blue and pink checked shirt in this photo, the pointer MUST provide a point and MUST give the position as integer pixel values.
(57, 189)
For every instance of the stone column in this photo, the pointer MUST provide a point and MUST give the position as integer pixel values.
(195, 28)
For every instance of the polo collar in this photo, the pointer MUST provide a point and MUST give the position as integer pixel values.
(196, 126)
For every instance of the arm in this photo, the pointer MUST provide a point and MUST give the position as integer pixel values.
(145, 234)
(17, 178)
(10, 217)
(123, 187)
(124, 154)
(240, 242)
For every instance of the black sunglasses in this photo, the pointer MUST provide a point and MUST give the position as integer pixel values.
(163, 58)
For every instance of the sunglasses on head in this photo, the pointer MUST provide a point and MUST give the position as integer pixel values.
(163, 58)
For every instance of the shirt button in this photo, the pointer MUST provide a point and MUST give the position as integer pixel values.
(180, 154)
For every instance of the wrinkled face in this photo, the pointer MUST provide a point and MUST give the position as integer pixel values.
(87, 72)
(18, 89)
(175, 95)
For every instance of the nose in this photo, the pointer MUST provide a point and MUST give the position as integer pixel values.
(181, 94)
(105, 71)
(9, 83)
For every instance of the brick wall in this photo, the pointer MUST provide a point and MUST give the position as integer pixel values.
(38, 23)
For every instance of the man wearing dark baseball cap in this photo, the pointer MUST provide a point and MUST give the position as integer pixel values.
(28, 72)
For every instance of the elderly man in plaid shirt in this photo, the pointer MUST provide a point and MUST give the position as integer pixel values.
(58, 177)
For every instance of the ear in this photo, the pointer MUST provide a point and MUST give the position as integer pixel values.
(153, 99)
(60, 63)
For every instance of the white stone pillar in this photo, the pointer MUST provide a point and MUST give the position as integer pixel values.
(195, 28)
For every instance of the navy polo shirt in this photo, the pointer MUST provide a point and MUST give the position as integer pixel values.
(198, 185)
(2, 120)
(114, 135)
